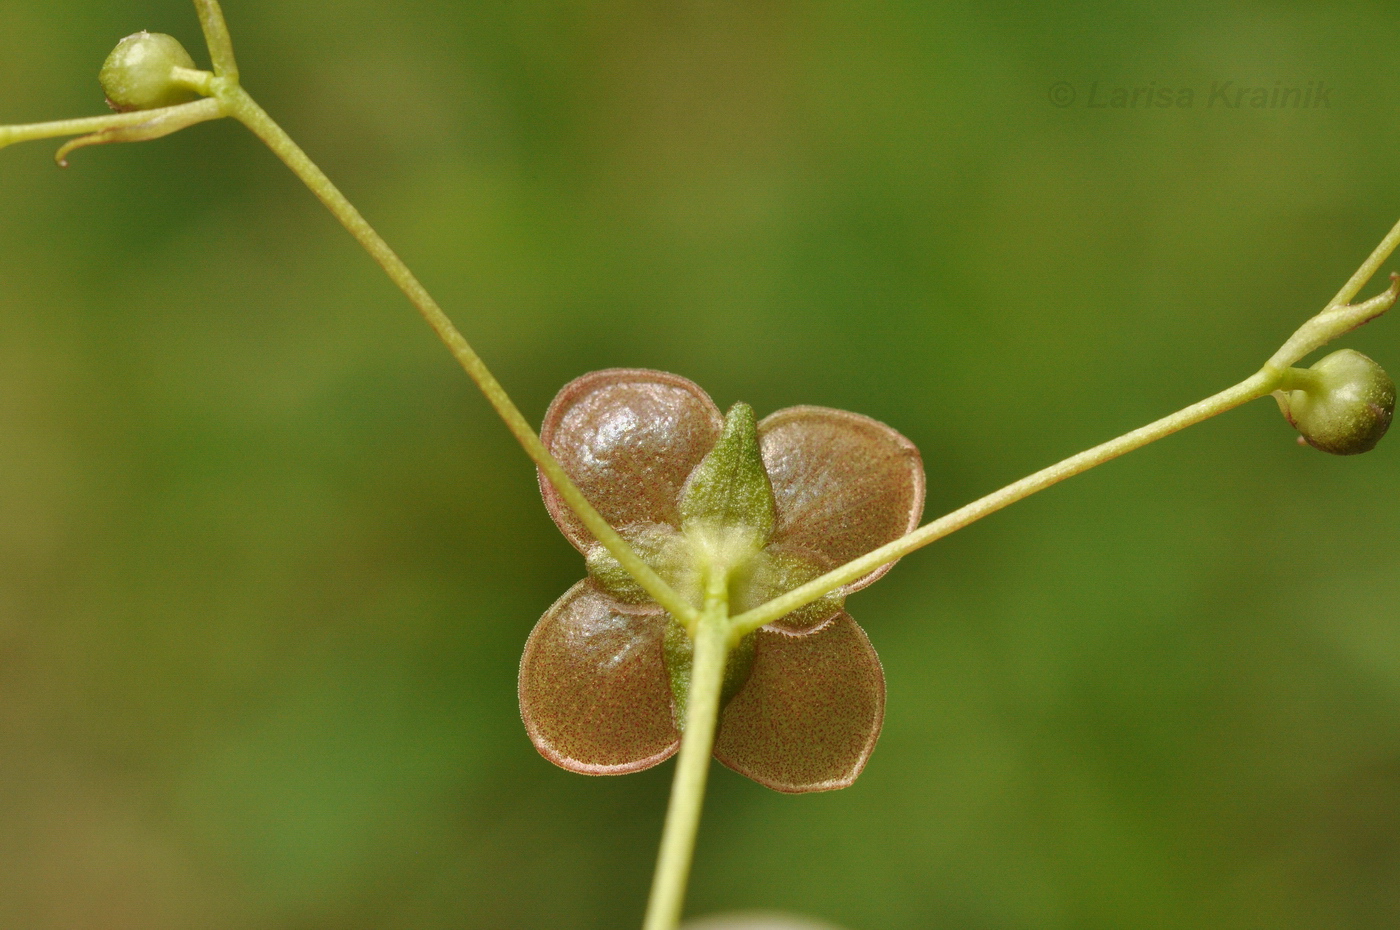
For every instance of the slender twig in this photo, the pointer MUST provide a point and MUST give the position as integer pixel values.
(211, 20)
(224, 97)
(162, 123)
(692, 764)
(243, 108)
(54, 129)
(1369, 267)
(1335, 319)
(1257, 386)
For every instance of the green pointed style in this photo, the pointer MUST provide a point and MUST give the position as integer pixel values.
(730, 490)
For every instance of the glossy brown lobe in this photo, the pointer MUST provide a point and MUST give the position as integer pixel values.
(593, 684)
(808, 718)
(844, 484)
(629, 438)
(594, 693)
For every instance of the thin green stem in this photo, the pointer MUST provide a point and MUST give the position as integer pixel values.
(242, 107)
(159, 123)
(74, 127)
(211, 20)
(1299, 379)
(1257, 386)
(692, 766)
(1340, 316)
(1334, 320)
(1369, 267)
(201, 82)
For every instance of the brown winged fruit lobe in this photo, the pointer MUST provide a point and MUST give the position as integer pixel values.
(594, 688)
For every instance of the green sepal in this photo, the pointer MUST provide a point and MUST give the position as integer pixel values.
(679, 650)
(612, 577)
(662, 547)
(729, 490)
(776, 571)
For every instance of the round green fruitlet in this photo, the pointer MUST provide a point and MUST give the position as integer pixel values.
(1342, 405)
(136, 76)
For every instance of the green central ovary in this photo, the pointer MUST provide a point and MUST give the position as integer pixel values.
(722, 547)
(690, 561)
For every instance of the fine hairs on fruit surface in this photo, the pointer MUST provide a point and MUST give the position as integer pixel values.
(662, 564)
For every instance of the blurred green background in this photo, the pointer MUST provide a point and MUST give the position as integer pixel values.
(267, 561)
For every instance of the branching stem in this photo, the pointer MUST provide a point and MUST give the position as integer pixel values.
(1334, 320)
(1257, 386)
(713, 628)
(54, 129)
(1368, 268)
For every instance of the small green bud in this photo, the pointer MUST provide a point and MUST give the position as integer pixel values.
(136, 76)
(1342, 405)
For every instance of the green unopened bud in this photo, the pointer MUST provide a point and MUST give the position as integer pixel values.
(1342, 405)
(136, 76)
